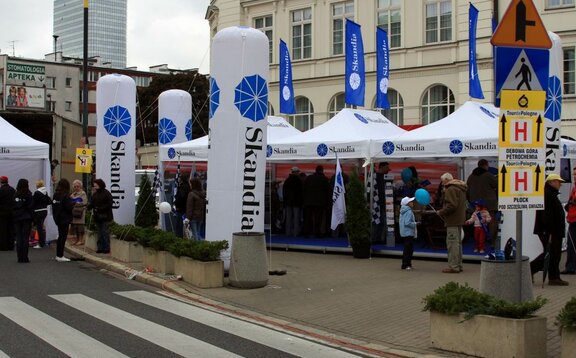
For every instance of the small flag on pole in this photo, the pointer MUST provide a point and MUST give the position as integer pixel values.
(474, 86)
(157, 183)
(287, 103)
(355, 84)
(338, 201)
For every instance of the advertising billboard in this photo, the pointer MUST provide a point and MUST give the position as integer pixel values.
(23, 97)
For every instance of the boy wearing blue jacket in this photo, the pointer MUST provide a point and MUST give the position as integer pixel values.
(407, 226)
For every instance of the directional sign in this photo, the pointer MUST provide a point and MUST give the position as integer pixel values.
(83, 160)
(521, 150)
(521, 26)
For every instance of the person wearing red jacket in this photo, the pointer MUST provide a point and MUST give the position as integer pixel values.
(570, 268)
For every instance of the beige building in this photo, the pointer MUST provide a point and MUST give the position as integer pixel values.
(428, 51)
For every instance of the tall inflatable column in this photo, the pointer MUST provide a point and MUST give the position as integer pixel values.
(237, 145)
(174, 117)
(116, 142)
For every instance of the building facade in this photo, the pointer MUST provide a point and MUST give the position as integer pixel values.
(106, 29)
(428, 42)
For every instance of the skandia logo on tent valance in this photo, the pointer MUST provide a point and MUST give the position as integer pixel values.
(366, 119)
(4, 150)
(281, 151)
(488, 112)
(322, 149)
(280, 124)
(388, 148)
(482, 146)
(186, 153)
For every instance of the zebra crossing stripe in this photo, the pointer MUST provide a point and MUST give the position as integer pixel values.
(4, 355)
(268, 337)
(68, 340)
(164, 337)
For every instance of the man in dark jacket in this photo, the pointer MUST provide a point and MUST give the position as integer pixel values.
(316, 198)
(453, 213)
(550, 227)
(6, 203)
(484, 185)
(292, 197)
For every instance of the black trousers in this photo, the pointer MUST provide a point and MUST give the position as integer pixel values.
(22, 233)
(38, 219)
(408, 251)
(555, 253)
(62, 235)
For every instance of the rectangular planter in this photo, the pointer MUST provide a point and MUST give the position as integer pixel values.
(568, 343)
(91, 241)
(201, 274)
(516, 337)
(159, 261)
(126, 251)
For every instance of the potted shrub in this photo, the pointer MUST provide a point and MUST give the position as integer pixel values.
(124, 244)
(358, 218)
(199, 262)
(146, 214)
(566, 320)
(467, 321)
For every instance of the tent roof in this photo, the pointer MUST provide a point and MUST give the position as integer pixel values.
(348, 133)
(197, 149)
(16, 145)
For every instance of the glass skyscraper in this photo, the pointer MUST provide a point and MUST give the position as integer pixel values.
(106, 29)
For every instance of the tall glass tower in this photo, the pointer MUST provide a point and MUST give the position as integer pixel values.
(106, 29)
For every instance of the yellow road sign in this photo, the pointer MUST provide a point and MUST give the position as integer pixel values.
(520, 187)
(83, 160)
(522, 119)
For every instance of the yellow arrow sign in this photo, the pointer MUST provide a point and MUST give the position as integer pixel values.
(83, 160)
(520, 180)
(522, 119)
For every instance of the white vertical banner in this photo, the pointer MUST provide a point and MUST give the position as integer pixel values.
(338, 198)
(237, 144)
(116, 142)
(174, 117)
(553, 109)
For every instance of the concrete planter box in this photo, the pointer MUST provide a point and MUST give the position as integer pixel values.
(125, 251)
(568, 343)
(91, 241)
(516, 337)
(201, 274)
(159, 261)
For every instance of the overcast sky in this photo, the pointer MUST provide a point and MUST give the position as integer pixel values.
(168, 31)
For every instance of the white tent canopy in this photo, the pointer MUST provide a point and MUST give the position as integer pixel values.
(197, 149)
(348, 133)
(470, 131)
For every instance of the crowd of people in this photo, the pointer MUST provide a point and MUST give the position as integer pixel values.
(190, 208)
(23, 215)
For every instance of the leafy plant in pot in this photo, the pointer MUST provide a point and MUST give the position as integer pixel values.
(357, 218)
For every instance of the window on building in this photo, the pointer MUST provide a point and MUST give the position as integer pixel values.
(437, 103)
(50, 105)
(388, 14)
(68, 82)
(50, 82)
(569, 72)
(337, 103)
(68, 106)
(555, 4)
(302, 34)
(304, 117)
(340, 12)
(438, 21)
(270, 109)
(264, 24)
(395, 113)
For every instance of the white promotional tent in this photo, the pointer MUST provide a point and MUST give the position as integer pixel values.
(197, 149)
(348, 133)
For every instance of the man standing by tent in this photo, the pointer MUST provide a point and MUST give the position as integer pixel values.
(453, 213)
(6, 204)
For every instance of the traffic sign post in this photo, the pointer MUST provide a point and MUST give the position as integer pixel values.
(521, 75)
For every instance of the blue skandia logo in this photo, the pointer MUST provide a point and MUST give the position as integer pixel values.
(214, 97)
(251, 98)
(564, 150)
(456, 146)
(487, 112)
(171, 153)
(388, 148)
(553, 99)
(361, 118)
(322, 149)
(268, 151)
(117, 121)
(166, 131)
(188, 129)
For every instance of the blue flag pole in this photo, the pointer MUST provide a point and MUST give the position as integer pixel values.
(475, 88)
(354, 83)
(287, 103)
(383, 69)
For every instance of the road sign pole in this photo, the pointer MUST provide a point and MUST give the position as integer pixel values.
(519, 255)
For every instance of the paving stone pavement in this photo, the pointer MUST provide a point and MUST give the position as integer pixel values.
(371, 301)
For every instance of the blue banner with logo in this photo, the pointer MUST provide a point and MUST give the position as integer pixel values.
(287, 104)
(355, 85)
(383, 67)
(475, 88)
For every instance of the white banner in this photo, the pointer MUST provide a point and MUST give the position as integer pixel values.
(174, 117)
(338, 198)
(116, 142)
(238, 134)
(553, 111)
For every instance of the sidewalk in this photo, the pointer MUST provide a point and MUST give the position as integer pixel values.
(369, 304)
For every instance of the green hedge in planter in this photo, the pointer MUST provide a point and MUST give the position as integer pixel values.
(566, 318)
(454, 298)
(166, 241)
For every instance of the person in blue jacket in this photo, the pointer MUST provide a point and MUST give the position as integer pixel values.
(407, 224)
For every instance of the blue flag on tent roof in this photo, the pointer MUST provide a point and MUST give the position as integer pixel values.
(475, 88)
(354, 83)
(287, 104)
(383, 68)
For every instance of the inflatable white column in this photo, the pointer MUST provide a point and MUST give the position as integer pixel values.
(116, 142)
(174, 117)
(237, 149)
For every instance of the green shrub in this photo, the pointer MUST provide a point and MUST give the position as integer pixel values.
(566, 318)
(198, 250)
(454, 298)
(146, 214)
(357, 212)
